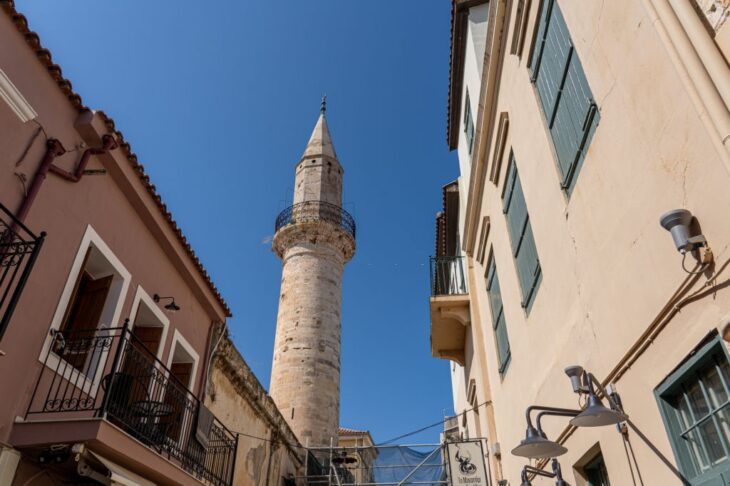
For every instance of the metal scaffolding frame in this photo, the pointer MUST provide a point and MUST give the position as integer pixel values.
(347, 466)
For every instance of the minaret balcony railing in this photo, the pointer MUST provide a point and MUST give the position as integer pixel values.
(309, 211)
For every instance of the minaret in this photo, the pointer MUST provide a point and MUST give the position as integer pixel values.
(314, 238)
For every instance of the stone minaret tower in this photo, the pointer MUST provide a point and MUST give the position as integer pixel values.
(314, 238)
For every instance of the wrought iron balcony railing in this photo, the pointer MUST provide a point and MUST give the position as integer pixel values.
(316, 211)
(109, 373)
(19, 249)
(447, 276)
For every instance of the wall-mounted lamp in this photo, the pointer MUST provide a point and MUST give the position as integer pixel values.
(536, 445)
(172, 306)
(677, 222)
(557, 474)
(595, 413)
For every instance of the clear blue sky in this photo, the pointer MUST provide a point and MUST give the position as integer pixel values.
(218, 100)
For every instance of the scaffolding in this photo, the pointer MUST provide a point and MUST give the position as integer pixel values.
(379, 465)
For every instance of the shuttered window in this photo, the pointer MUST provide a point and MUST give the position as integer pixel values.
(520, 230)
(695, 405)
(565, 97)
(500, 327)
(468, 124)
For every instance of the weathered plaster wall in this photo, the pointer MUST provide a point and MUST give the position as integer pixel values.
(608, 267)
(237, 398)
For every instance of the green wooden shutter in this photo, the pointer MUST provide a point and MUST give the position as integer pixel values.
(540, 38)
(522, 239)
(556, 55)
(565, 96)
(575, 120)
(468, 124)
(498, 320)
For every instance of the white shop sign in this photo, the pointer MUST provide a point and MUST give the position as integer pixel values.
(466, 464)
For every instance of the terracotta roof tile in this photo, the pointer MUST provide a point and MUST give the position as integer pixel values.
(348, 431)
(44, 55)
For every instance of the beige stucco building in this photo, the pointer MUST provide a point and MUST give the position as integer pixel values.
(578, 124)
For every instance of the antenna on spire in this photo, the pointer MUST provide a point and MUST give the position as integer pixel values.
(323, 106)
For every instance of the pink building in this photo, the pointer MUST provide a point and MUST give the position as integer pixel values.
(108, 322)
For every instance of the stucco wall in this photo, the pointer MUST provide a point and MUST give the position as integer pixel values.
(608, 267)
(238, 400)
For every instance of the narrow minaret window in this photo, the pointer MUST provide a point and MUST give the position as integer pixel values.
(314, 238)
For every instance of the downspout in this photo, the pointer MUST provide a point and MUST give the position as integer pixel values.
(108, 143)
(702, 91)
(54, 149)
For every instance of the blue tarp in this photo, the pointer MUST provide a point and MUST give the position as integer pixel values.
(405, 460)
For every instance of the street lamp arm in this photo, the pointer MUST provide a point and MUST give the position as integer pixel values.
(548, 411)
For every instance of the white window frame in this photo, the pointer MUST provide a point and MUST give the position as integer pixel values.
(178, 338)
(90, 239)
(15, 99)
(142, 297)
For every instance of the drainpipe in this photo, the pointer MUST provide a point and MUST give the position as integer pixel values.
(698, 83)
(108, 143)
(706, 48)
(53, 150)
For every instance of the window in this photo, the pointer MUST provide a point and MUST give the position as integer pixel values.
(566, 99)
(498, 322)
(91, 300)
(520, 231)
(468, 124)
(596, 472)
(694, 404)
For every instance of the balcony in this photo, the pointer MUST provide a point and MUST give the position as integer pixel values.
(310, 211)
(19, 248)
(98, 383)
(449, 305)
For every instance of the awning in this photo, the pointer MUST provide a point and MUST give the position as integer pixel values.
(119, 475)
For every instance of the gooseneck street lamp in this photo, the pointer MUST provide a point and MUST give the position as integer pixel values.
(536, 445)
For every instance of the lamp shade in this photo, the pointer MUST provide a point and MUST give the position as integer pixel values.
(596, 414)
(537, 446)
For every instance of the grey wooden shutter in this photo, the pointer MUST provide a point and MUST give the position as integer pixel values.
(498, 321)
(522, 239)
(566, 99)
(540, 38)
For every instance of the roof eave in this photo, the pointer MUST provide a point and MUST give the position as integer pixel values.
(459, 18)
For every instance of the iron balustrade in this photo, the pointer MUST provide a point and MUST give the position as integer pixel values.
(308, 211)
(19, 249)
(109, 373)
(447, 276)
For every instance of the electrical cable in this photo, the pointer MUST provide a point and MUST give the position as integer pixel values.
(440, 422)
(702, 267)
(428, 426)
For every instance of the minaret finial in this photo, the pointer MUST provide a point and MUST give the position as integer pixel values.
(323, 106)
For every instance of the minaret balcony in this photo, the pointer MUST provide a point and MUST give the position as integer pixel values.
(449, 303)
(312, 211)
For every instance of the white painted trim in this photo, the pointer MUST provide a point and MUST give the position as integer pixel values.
(141, 296)
(15, 99)
(90, 238)
(178, 338)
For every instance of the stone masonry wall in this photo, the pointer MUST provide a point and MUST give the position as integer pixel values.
(305, 380)
(238, 399)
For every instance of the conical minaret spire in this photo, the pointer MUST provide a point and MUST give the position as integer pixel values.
(314, 237)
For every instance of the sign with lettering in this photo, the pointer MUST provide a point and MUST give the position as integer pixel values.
(466, 464)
